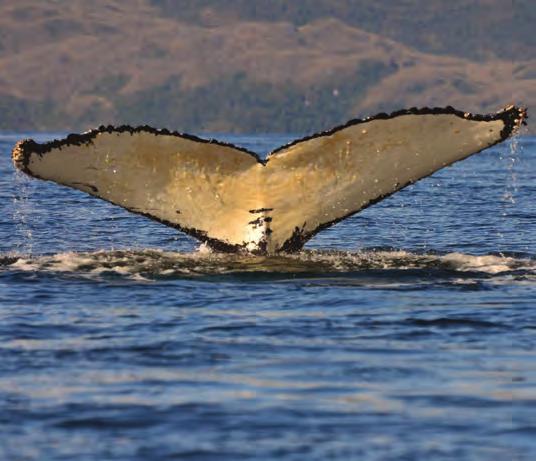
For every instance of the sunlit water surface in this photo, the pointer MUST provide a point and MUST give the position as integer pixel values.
(406, 332)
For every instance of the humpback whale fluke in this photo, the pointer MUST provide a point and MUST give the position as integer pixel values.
(233, 200)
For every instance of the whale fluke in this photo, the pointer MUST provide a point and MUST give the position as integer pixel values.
(233, 200)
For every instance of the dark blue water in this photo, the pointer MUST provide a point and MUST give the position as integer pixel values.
(407, 332)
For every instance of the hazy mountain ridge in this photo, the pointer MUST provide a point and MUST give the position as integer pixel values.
(72, 65)
(475, 29)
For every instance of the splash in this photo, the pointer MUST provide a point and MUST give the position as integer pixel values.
(151, 265)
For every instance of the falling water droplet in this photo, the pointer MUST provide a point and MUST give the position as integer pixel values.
(21, 213)
(511, 159)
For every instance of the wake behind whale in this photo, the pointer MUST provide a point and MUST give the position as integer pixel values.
(235, 201)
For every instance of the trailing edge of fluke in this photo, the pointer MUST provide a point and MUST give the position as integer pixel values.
(231, 199)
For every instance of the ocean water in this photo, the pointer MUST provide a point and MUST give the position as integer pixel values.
(406, 332)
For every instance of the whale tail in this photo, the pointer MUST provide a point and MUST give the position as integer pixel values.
(233, 200)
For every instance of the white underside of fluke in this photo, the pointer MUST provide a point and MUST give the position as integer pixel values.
(234, 201)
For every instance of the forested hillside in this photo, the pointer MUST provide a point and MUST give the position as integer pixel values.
(466, 28)
(257, 65)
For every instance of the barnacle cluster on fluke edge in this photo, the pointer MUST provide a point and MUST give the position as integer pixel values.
(512, 116)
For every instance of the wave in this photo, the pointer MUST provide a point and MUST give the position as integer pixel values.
(150, 264)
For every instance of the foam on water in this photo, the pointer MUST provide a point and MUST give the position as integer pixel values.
(147, 264)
